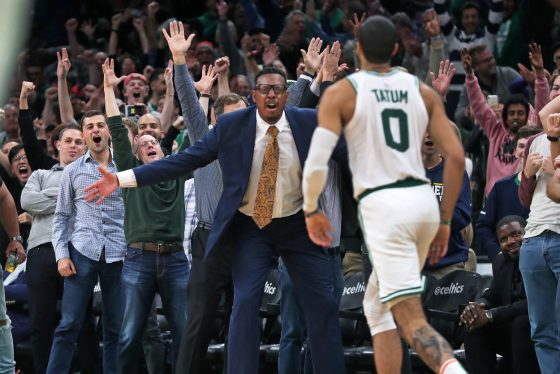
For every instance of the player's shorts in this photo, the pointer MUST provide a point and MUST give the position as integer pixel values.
(398, 226)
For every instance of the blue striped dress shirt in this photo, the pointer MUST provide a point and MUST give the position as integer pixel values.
(96, 227)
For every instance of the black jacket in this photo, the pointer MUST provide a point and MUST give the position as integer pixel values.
(500, 297)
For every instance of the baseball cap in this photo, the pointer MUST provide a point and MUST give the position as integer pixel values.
(132, 76)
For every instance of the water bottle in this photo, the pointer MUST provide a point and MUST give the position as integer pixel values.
(12, 262)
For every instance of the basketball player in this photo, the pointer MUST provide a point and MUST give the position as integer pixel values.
(385, 113)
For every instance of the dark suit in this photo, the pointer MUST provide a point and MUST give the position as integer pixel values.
(509, 333)
(232, 143)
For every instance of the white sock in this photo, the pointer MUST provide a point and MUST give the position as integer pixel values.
(452, 366)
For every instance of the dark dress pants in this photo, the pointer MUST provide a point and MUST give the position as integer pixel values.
(208, 279)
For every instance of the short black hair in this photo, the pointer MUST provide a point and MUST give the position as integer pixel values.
(377, 37)
(515, 99)
(91, 113)
(14, 151)
(470, 5)
(509, 219)
(271, 70)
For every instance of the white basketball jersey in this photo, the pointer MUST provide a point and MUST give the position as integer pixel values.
(385, 134)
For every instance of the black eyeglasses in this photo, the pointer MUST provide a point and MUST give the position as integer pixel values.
(277, 88)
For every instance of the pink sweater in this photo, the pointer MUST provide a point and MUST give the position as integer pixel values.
(501, 160)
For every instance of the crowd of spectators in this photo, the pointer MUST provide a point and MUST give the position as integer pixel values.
(495, 64)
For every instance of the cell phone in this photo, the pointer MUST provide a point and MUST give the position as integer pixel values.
(134, 110)
(492, 100)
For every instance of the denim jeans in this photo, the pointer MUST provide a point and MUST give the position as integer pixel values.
(145, 273)
(75, 298)
(7, 364)
(293, 336)
(539, 263)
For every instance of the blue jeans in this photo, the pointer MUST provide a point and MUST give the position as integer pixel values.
(145, 273)
(7, 364)
(293, 335)
(539, 263)
(75, 298)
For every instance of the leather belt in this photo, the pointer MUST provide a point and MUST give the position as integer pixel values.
(157, 247)
(204, 225)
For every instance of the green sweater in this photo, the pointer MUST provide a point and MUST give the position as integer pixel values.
(155, 213)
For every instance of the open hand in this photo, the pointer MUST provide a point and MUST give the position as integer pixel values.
(109, 77)
(204, 85)
(102, 188)
(535, 56)
(312, 58)
(330, 61)
(270, 54)
(178, 45)
(357, 23)
(443, 80)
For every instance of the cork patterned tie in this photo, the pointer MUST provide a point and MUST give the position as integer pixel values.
(264, 202)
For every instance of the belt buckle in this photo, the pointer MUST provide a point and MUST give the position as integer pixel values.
(159, 247)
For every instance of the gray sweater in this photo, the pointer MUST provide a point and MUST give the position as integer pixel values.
(38, 198)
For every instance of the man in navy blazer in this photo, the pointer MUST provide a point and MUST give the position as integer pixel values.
(238, 141)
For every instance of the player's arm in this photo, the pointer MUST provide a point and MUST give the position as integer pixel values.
(447, 141)
(334, 112)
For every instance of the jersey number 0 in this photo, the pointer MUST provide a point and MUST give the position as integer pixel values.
(402, 119)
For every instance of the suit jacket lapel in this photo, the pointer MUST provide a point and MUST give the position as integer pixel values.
(297, 132)
(248, 146)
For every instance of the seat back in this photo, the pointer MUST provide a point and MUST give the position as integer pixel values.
(444, 298)
(352, 321)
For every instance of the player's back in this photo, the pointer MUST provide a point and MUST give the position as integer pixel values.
(385, 133)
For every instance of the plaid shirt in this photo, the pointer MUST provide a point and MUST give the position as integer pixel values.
(190, 216)
(97, 227)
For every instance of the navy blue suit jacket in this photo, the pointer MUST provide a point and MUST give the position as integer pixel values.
(232, 143)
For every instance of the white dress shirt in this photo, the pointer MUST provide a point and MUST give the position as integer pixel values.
(288, 199)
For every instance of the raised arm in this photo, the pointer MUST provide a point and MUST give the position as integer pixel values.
(71, 27)
(36, 155)
(167, 112)
(64, 102)
(227, 44)
(441, 84)
(483, 113)
(124, 157)
(114, 37)
(221, 69)
(195, 119)
(138, 24)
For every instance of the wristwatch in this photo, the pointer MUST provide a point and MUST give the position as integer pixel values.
(488, 314)
(17, 238)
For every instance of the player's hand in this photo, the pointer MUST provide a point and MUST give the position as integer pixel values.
(66, 267)
(319, 229)
(102, 188)
(438, 248)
